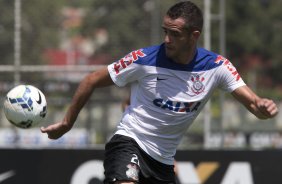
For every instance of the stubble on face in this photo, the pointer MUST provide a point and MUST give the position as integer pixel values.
(177, 39)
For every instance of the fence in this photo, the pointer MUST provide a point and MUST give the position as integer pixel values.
(53, 45)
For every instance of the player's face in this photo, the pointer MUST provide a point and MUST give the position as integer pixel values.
(178, 40)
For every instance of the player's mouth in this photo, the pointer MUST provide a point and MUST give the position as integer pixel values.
(169, 48)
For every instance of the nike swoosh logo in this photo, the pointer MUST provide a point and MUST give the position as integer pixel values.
(39, 101)
(159, 79)
(6, 175)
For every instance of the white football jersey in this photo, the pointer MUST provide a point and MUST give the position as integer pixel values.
(166, 97)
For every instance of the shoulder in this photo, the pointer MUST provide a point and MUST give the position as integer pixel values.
(150, 55)
(206, 56)
(206, 60)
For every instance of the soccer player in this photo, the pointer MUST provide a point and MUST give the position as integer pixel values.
(170, 84)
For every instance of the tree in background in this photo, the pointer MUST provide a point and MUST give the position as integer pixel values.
(39, 29)
(128, 23)
(253, 30)
(6, 31)
(254, 38)
(40, 25)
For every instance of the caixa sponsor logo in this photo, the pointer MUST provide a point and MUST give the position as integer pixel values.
(188, 173)
(177, 106)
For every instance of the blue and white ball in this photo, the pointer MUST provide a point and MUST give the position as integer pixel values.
(25, 106)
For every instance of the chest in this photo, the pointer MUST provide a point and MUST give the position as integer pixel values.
(178, 85)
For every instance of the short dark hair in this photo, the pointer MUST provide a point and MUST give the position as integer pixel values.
(190, 12)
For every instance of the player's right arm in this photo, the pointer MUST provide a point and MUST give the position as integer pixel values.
(98, 79)
(119, 73)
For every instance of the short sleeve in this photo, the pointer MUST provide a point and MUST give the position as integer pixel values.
(229, 78)
(126, 69)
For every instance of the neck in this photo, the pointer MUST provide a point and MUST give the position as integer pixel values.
(186, 57)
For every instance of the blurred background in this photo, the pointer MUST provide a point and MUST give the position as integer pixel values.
(54, 44)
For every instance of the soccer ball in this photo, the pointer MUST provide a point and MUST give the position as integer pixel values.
(25, 106)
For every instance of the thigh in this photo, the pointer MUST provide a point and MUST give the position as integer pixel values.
(121, 160)
(154, 172)
(126, 161)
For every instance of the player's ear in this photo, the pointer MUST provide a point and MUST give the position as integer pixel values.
(196, 34)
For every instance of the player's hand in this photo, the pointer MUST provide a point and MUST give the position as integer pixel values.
(56, 130)
(267, 107)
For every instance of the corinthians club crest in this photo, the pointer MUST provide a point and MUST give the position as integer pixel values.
(132, 171)
(198, 86)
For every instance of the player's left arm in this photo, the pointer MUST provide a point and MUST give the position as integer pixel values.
(263, 108)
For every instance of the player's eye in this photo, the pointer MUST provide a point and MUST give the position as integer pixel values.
(174, 33)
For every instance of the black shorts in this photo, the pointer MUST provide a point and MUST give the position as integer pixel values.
(126, 161)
